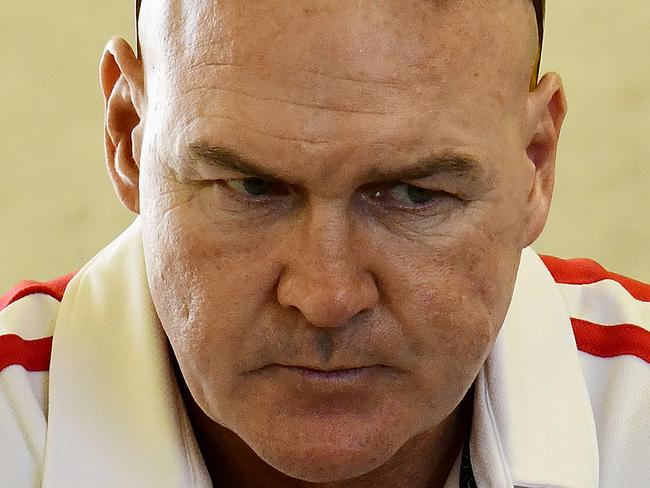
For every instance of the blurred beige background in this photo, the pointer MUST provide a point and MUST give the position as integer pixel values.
(57, 207)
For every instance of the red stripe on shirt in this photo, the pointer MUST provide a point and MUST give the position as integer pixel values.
(607, 341)
(586, 271)
(54, 288)
(33, 355)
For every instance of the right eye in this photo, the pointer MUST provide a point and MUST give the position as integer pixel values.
(256, 188)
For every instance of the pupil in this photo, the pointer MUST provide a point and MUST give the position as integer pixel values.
(257, 186)
(419, 195)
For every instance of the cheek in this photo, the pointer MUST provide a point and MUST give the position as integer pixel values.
(451, 306)
(208, 287)
(449, 338)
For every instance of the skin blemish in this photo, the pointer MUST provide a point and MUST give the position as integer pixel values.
(324, 345)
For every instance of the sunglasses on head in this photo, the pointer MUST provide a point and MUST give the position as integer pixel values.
(540, 8)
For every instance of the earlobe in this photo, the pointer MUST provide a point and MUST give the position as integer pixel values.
(122, 87)
(546, 109)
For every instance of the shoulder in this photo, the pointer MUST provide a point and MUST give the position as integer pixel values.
(27, 316)
(610, 315)
(583, 271)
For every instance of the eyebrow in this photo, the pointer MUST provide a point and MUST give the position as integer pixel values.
(227, 159)
(445, 164)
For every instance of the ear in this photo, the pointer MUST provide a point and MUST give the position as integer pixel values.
(122, 83)
(545, 111)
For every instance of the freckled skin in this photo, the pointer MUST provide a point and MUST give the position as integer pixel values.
(321, 274)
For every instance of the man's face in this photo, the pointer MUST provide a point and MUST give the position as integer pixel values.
(337, 262)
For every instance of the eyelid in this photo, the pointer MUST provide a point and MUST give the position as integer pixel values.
(429, 207)
(252, 199)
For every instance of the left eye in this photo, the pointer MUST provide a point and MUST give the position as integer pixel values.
(410, 195)
(255, 187)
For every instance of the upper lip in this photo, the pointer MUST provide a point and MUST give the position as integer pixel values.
(327, 370)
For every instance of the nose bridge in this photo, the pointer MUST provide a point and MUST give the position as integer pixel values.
(325, 278)
(326, 235)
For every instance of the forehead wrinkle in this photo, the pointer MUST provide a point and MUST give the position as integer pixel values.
(332, 107)
(311, 74)
(240, 86)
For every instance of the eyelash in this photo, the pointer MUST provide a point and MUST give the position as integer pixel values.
(375, 190)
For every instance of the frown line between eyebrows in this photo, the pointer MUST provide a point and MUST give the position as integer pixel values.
(447, 164)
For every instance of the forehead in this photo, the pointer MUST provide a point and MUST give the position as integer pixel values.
(372, 72)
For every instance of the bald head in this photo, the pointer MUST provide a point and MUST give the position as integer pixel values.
(371, 40)
(540, 8)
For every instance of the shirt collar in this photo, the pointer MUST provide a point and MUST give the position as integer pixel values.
(116, 417)
(532, 422)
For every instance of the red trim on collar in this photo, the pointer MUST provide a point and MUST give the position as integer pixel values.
(586, 271)
(54, 288)
(33, 355)
(607, 341)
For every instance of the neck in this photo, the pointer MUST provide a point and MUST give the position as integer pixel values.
(423, 462)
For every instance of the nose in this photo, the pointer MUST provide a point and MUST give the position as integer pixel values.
(324, 276)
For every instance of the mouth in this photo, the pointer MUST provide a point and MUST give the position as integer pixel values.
(337, 376)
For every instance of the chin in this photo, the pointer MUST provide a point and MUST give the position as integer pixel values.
(321, 466)
(331, 452)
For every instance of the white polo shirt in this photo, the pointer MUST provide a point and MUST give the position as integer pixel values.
(88, 398)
